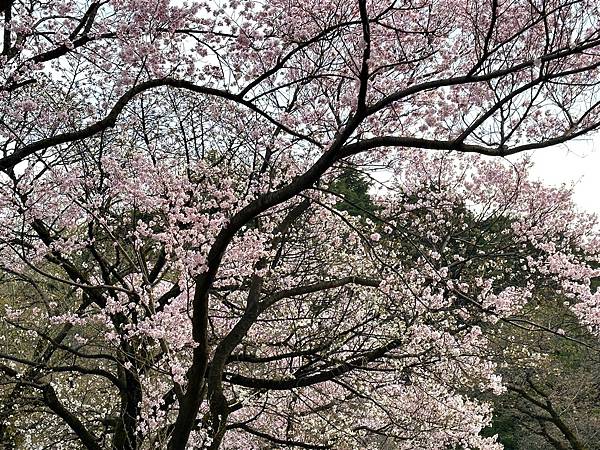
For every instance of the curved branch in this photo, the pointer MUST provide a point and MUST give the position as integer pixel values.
(76, 425)
(110, 120)
(470, 79)
(341, 369)
(317, 287)
(287, 442)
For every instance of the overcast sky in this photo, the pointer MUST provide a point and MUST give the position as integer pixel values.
(578, 162)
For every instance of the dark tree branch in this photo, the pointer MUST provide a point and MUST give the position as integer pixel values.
(287, 442)
(87, 438)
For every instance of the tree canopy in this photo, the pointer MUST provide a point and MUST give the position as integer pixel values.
(288, 224)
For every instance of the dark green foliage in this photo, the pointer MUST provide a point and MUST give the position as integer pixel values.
(505, 427)
(354, 187)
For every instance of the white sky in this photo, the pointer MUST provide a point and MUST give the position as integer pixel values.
(577, 162)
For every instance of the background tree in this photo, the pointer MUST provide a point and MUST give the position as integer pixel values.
(551, 378)
(353, 187)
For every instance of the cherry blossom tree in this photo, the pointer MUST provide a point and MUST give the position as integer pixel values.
(551, 399)
(175, 270)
